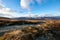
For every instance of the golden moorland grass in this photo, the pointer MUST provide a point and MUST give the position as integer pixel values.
(30, 33)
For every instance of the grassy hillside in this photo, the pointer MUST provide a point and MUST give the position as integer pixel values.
(46, 31)
(10, 22)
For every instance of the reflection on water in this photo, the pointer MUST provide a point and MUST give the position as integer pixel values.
(8, 28)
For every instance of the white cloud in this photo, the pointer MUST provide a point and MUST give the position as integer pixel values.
(7, 12)
(25, 4)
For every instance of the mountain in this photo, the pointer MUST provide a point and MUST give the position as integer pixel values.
(32, 18)
(25, 18)
(52, 18)
(38, 18)
(4, 18)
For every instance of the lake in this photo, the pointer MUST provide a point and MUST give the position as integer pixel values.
(14, 27)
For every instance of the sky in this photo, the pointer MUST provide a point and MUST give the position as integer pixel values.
(29, 8)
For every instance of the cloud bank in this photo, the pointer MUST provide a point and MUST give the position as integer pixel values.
(26, 4)
(7, 12)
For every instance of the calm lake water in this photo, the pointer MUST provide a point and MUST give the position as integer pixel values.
(9, 28)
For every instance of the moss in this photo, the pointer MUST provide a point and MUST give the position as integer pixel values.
(1, 38)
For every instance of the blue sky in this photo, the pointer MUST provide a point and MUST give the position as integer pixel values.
(13, 4)
(21, 8)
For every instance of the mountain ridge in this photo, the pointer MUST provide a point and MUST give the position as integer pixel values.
(33, 18)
